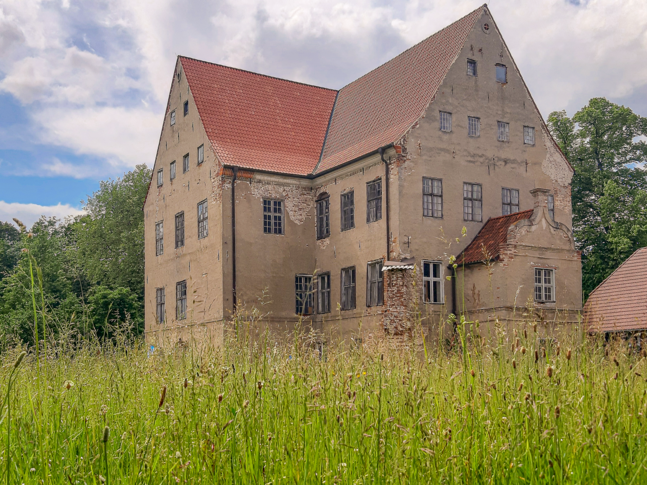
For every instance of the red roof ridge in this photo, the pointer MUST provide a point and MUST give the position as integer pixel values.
(508, 215)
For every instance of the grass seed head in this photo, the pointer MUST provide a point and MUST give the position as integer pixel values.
(472, 372)
(219, 397)
(246, 403)
(106, 434)
(615, 361)
(514, 364)
(21, 356)
(520, 387)
(557, 350)
(536, 356)
(523, 350)
(162, 397)
(568, 354)
(549, 371)
(527, 397)
(557, 412)
(186, 383)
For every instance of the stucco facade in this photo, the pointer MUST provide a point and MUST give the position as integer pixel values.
(266, 265)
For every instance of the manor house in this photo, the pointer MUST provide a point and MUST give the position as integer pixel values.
(428, 186)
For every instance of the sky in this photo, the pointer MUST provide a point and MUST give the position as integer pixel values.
(84, 84)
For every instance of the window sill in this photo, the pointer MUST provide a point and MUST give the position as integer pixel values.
(323, 237)
(434, 303)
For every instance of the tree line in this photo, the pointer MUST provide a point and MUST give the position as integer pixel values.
(86, 273)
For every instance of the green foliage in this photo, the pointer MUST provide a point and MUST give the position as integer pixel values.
(109, 306)
(602, 143)
(9, 248)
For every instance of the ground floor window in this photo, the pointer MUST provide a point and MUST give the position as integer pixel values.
(374, 284)
(544, 285)
(160, 299)
(180, 300)
(323, 292)
(432, 282)
(348, 288)
(304, 295)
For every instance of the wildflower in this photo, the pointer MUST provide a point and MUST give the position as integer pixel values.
(452, 258)
(24, 250)
(549, 371)
(178, 455)
(103, 410)
(30, 235)
(68, 385)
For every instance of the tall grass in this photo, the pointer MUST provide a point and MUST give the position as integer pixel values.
(249, 413)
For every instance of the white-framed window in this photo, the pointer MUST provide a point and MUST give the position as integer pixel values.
(172, 170)
(544, 285)
(348, 210)
(160, 300)
(160, 177)
(374, 284)
(185, 163)
(200, 154)
(172, 117)
(272, 216)
(510, 201)
(432, 282)
(304, 294)
(472, 202)
(323, 293)
(203, 219)
(473, 126)
(445, 121)
(179, 230)
(529, 135)
(323, 217)
(180, 300)
(503, 131)
(348, 288)
(159, 238)
(374, 201)
(501, 74)
(551, 206)
(432, 197)
(471, 67)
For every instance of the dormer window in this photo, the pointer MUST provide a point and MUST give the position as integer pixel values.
(501, 74)
(471, 67)
(172, 117)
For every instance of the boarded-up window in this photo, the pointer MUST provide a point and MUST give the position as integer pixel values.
(473, 126)
(179, 230)
(304, 295)
(472, 202)
(374, 284)
(323, 293)
(160, 300)
(544, 285)
(432, 282)
(348, 288)
(272, 216)
(374, 201)
(503, 131)
(510, 201)
(347, 210)
(529, 135)
(445, 121)
(180, 300)
(432, 197)
(203, 221)
(159, 238)
(323, 217)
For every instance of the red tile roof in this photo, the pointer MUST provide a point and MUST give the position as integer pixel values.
(487, 243)
(264, 123)
(619, 303)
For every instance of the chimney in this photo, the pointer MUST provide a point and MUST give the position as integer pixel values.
(541, 201)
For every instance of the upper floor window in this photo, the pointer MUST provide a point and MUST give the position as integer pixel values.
(347, 210)
(172, 117)
(186, 108)
(432, 282)
(160, 177)
(304, 295)
(323, 217)
(180, 300)
(551, 206)
(272, 216)
(501, 73)
(159, 238)
(179, 230)
(172, 169)
(473, 126)
(374, 284)
(432, 197)
(203, 221)
(544, 285)
(472, 202)
(374, 201)
(529, 135)
(503, 131)
(323, 293)
(185, 163)
(471, 67)
(348, 288)
(200, 154)
(160, 300)
(510, 201)
(445, 121)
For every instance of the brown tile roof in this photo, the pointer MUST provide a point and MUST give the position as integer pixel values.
(264, 123)
(619, 303)
(487, 243)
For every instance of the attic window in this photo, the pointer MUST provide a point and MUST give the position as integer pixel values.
(200, 154)
(473, 126)
(471, 67)
(186, 108)
(501, 74)
(172, 117)
(445, 121)
(529, 135)
(503, 131)
(160, 177)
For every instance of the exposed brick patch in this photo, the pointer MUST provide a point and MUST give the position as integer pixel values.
(299, 201)
(556, 167)
(398, 301)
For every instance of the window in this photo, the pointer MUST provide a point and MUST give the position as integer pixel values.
(172, 169)
(161, 305)
(529, 135)
(551, 206)
(348, 288)
(445, 121)
(323, 293)
(200, 154)
(471, 67)
(304, 295)
(272, 216)
(510, 201)
(185, 163)
(347, 210)
(432, 282)
(432, 197)
(501, 74)
(203, 221)
(160, 177)
(159, 238)
(503, 131)
(172, 117)
(374, 201)
(544, 285)
(374, 284)
(179, 230)
(180, 300)
(323, 217)
(472, 202)
(473, 126)
(186, 108)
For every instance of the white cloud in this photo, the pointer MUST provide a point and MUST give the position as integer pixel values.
(30, 213)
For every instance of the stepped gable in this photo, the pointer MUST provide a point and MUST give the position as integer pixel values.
(619, 303)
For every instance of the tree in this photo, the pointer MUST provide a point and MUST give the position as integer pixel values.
(9, 248)
(609, 189)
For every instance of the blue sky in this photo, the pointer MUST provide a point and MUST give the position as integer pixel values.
(83, 85)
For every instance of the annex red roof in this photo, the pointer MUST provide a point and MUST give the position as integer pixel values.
(487, 243)
(619, 303)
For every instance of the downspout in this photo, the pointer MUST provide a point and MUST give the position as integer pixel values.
(386, 202)
(233, 234)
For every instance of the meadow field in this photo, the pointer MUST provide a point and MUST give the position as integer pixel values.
(522, 411)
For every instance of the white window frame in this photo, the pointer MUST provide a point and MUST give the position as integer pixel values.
(473, 126)
(200, 154)
(160, 177)
(503, 131)
(273, 220)
(508, 197)
(172, 117)
(529, 135)
(544, 288)
(203, 219)
(445, 118)
(472, 203)
(173, 170)
(432, 197)
(430, 282)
